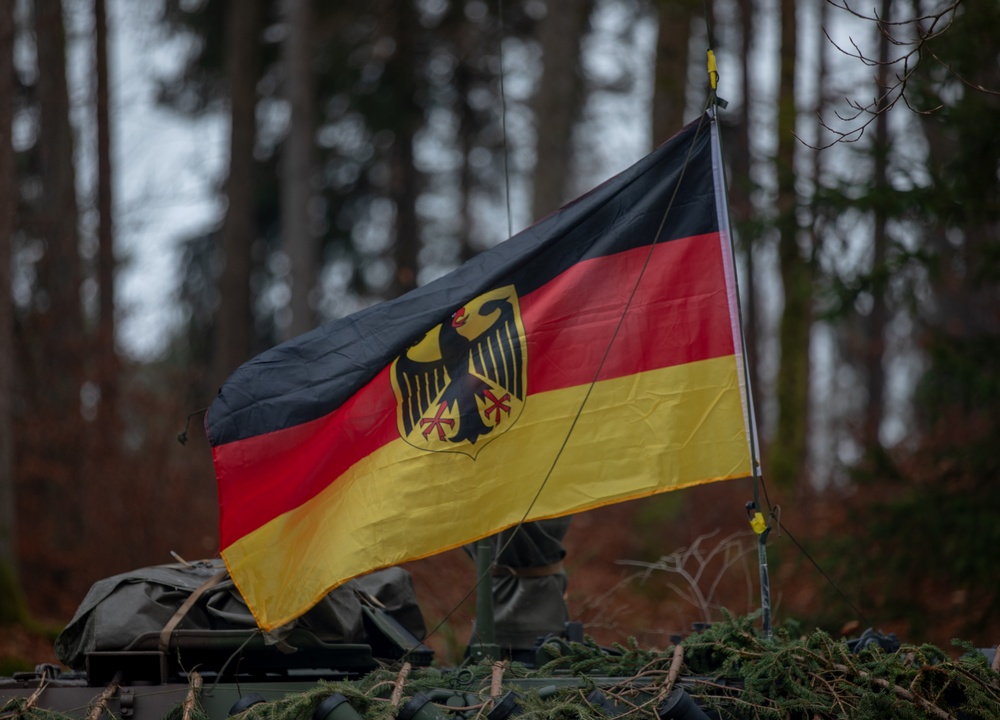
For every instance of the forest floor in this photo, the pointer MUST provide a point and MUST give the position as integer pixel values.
(613, 594)
(611, 599)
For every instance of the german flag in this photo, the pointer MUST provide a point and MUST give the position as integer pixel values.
(593, 358)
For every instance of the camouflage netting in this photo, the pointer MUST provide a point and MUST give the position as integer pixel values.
(728, 669)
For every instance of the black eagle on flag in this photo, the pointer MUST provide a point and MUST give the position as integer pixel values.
(465, 379)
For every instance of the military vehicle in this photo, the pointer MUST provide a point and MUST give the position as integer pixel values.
(176, 643)
(168, 639)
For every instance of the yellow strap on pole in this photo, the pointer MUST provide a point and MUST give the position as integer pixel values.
(713, 70)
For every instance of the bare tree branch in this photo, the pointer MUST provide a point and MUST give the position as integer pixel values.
(691, 563)
(912, 36)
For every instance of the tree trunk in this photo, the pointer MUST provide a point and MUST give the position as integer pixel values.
(59, 270)
(234, 329)
(405, 188)
(875, 324)
(559, 101)
(670, 83)
(57, 336)
(11, 599)
(106, 357)
(787, 454)
(405, 182)
(471, 243)
(301, 246)
(745, 225)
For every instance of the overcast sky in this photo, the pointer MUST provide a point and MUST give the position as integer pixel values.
(166, 172)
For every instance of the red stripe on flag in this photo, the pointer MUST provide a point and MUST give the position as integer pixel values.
(262, 477)
(680, 314)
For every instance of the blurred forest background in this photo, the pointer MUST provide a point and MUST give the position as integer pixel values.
(370, 147)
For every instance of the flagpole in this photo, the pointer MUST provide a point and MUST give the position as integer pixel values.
(757, 522)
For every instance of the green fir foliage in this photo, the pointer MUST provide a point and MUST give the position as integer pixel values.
(729, 669)
(19, 707)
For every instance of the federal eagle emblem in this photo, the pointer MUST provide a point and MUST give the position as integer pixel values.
(463, 384)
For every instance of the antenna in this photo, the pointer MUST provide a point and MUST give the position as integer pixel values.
(485, 645)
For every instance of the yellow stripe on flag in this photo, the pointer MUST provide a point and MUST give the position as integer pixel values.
(638, 435)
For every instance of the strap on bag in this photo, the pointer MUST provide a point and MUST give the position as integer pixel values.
(186, 606)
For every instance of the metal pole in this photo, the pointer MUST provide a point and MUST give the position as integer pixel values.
(765, 586)
(484, 646)
(757, 521)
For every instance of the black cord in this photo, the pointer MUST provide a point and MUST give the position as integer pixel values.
(182, 436)
(822, 572)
